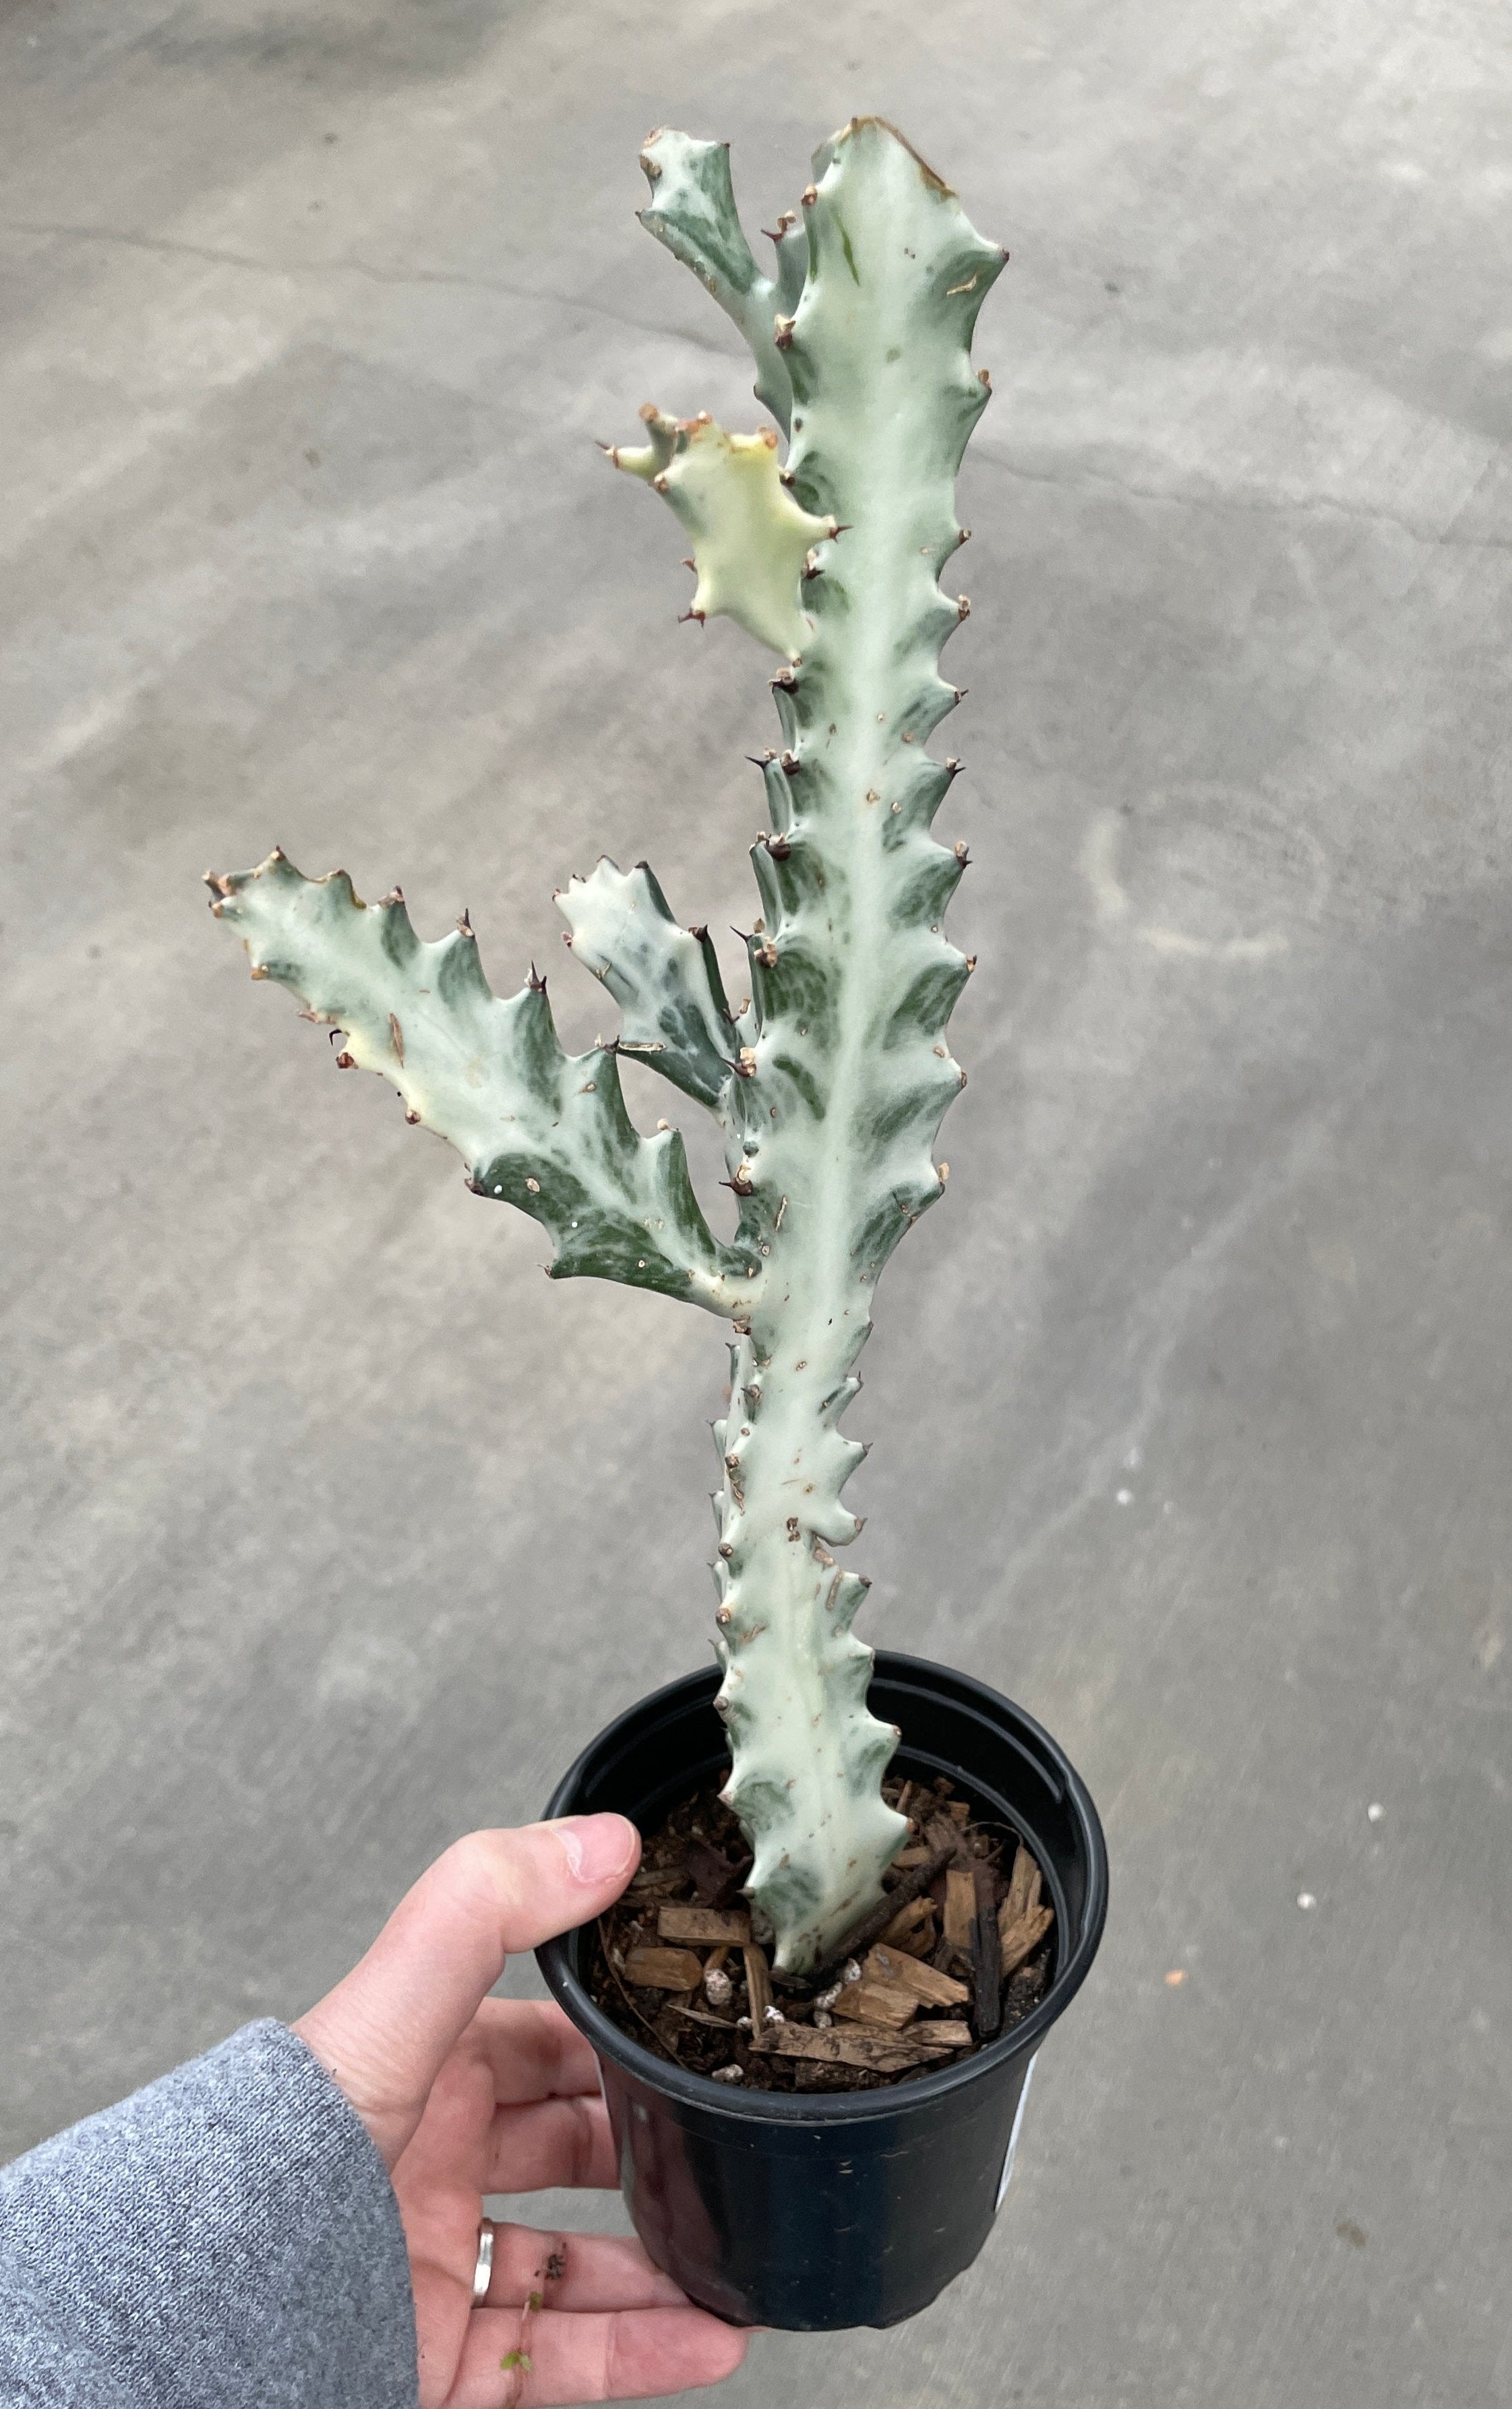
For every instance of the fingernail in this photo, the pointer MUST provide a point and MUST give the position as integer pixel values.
(597, 1847)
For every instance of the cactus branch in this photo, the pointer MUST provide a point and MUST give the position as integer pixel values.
(692, 210)
(752, 542)
(664, 978)
(541, 1129)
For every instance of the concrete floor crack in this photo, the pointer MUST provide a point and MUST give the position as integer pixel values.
(1306, 505)
(172, 247)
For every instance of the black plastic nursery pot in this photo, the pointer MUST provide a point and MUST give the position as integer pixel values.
(818, 2211)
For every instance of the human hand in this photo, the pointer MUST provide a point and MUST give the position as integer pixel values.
(465, 2094)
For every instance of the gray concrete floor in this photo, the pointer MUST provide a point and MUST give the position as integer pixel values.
(332, 1530)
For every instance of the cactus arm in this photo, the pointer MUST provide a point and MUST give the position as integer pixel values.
(692, 210)
(752, 542)
(664, 978)
(539, 1128)
(830, 1132)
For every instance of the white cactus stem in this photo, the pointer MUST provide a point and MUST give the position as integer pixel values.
(830, 1128)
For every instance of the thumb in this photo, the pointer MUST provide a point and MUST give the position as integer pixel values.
(385, 2030)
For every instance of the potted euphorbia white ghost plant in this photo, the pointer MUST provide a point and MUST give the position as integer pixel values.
(869, 1887)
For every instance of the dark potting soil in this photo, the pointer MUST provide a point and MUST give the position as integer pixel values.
(957, 1954)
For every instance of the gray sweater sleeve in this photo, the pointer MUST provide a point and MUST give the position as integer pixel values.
(226, 2239)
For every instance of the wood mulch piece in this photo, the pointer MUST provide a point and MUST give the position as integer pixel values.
(958, 1951)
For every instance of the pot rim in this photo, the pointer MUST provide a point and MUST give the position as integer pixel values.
(828, 2107)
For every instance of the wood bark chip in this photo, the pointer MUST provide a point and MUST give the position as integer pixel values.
(759, 1989)
(943, 1835)
(986, 1983)
(663, 1970)
(891, 1966)
(883, 2052)
(911, 1928)
(1023, 1886)
(656, 1882)
(940, 2032)
(960, 1908)
(877, 2003)
(1022, 1922)
(1017, 1942)
(707, 1926)
(606, 1952)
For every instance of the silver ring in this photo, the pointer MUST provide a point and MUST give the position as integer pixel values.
(484, 2270)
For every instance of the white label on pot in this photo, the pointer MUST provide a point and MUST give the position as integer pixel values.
(1012, 2138)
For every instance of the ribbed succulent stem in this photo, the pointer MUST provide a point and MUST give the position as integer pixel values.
(845, 1072)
